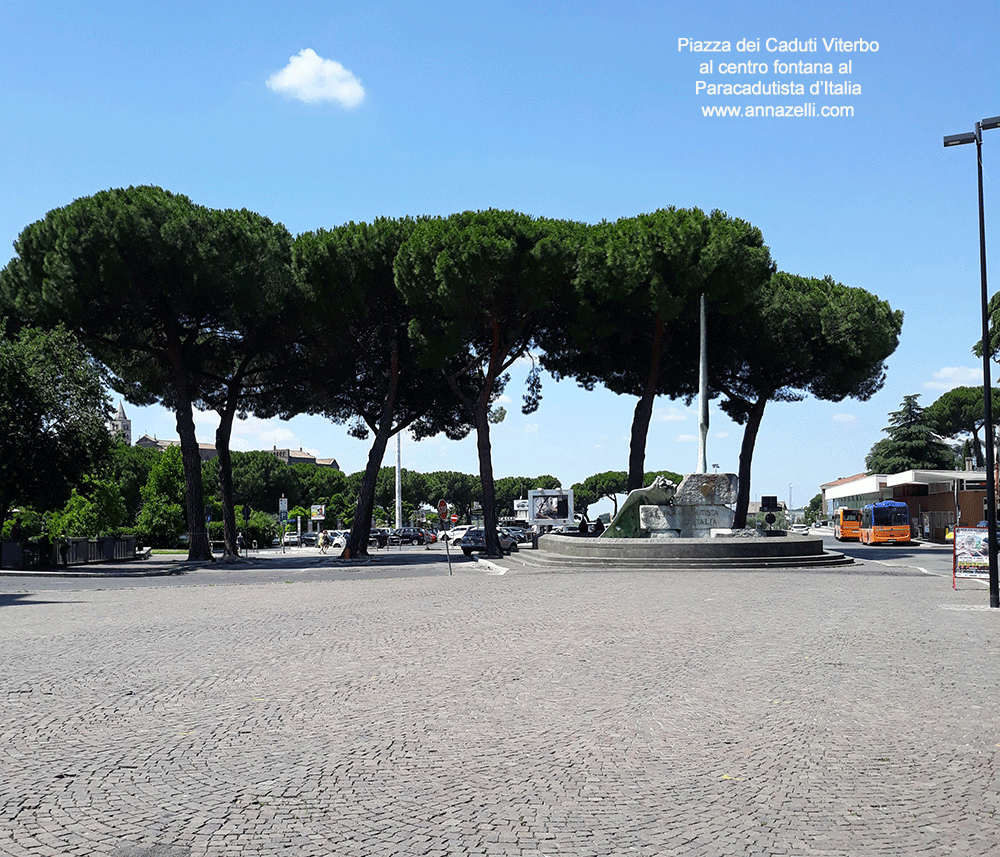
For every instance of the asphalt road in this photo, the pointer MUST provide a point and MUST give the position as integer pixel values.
(926, 557)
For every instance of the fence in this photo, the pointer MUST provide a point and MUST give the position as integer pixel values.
(67, 552)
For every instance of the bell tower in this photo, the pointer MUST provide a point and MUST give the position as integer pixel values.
(121, 426)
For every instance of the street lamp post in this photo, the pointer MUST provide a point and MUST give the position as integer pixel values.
(991, 499)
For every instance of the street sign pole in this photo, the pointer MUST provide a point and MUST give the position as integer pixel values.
(443, 515)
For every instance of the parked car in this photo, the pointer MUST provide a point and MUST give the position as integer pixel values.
(378, 538)
(409, 536)
(429, 536)
(454, 535)
(475, 540)
(338, 540)
(291, 539)
(519, 534)
(310, 539)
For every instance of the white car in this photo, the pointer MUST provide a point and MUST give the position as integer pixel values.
(454, 535)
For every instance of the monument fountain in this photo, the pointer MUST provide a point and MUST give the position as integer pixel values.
(687, 525)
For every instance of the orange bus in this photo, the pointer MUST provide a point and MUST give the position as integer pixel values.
(846, 524)
(888, 521)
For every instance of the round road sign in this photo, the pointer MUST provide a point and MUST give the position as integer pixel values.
(454, 519)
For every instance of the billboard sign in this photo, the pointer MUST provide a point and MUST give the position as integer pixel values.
(972, 552)
(550, 507)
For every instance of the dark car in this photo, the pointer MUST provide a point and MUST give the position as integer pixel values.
(517, 533)
(475, 540)
(378, 538)
(410, 536)
(310, 539)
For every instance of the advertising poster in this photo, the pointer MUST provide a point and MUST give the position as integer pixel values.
(550, 507)
(972, 558)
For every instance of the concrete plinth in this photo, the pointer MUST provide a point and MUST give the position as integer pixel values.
(707, 553)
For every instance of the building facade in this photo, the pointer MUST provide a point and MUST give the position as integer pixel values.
(936, 499)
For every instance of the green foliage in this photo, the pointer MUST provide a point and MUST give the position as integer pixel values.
(814, 511)
(262, 528)
(632, 322)
(98, 510)
(53, 410)
(960, 414)
(260, 479)
(407, 325)
(482, 286)
(669, 475)
(161, 520)
(511, 488)
(799, 336)
(129, 467)
(161, 291)
(461, 490)
(911, 443)
(608, 484)
(31, 523)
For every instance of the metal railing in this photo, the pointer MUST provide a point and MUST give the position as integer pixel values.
(66, 552)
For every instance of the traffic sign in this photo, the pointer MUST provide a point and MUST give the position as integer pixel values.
(454, 519)
(443, 510)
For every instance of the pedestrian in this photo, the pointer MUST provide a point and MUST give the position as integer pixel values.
(325, 541)
(17, 530)
(599, 527)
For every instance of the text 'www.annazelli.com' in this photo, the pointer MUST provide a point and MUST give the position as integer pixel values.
(781, 111)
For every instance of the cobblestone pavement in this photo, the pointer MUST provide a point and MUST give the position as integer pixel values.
(831, 712)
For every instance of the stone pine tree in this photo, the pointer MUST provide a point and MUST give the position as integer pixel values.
(632, 322)
(799, 336)
(911, 443)
(147, 280)
(350, 269)
(482, 285)
(960, 414)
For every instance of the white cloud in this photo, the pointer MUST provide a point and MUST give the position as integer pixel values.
(721, 434)
(687, 438)
(531, 428)
(670, 415)
(310, 78)
(950, 377)
(845, 419)
(504, 399)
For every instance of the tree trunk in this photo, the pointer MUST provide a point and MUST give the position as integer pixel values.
(637, 446)
(357, 541)
(481, 418)
(222, 437)
(755, 414)
(199, 548)
(643, 413)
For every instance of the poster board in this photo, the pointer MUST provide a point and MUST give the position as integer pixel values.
(971, 553)
(550, 507)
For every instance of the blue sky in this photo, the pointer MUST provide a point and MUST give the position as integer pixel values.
(318, 113)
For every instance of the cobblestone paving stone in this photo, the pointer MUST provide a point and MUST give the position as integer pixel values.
(836, 713)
